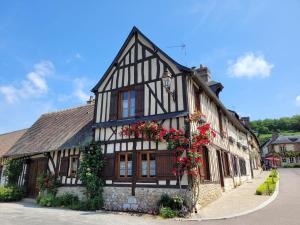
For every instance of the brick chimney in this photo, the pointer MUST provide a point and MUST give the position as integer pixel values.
(90, 101)
(246, 121)
(204, 73)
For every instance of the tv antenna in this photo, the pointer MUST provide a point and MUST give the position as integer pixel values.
(182, 47)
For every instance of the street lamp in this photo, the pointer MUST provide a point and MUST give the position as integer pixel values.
(167, 80)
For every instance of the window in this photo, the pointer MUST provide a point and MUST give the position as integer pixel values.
(282, 149)
(147, 164)
(243, 167)
(226, 164)
(125, 165)
(283, 160)
(197, 99)
(235, 166)
(292, 160)
(74, 164)
(220, 122)
(127, 104)
(206, 170)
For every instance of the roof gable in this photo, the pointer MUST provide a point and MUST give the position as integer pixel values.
(9, 139)
(56, 131)
(131, 52)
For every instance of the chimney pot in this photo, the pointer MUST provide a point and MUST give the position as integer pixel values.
(91, 100)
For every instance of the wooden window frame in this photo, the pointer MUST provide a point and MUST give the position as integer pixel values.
(205, 157)
(71, 165)
(126, 177)
(148, 177)
(120, 103)
(197, 99)
(226, 164)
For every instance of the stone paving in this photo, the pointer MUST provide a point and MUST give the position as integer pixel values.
(236, 201)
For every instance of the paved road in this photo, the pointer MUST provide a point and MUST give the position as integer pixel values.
(285, 210)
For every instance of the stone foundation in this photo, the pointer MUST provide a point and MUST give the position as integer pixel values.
(76, 190)
(145, 199)
(209, 192)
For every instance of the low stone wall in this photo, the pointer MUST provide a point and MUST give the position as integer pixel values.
(145, 199)
(209, 192)
(76, 190)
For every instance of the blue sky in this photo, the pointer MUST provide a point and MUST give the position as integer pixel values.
(53, 52)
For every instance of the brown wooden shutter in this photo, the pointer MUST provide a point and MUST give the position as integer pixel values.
(165, 161)
(64, 166)
(113, 111)
(139, 100)
(220, 121)
(197, 99)
(109, 167)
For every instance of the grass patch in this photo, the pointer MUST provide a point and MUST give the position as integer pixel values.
(269, 186)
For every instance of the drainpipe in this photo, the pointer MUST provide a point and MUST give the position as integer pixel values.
(251, 169)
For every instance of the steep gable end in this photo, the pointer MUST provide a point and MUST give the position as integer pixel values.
(132, 64)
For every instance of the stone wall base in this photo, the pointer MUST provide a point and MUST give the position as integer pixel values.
(76, 190)
(145, 199)
(209, 192)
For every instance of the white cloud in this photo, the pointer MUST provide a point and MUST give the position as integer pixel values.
(76, 56)
(298, 100)
(250, 65)
(79, 84)
(34, 85)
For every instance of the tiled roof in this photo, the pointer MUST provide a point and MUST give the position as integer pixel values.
(287, 139)
(9, 139)
(57, 130)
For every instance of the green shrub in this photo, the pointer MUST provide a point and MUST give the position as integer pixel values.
(46, 199)
(9, 194)
(176, 204)
(167, 212)
(269, 186)
(67, 200)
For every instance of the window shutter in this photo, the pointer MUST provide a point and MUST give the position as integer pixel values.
(197, 99)
(64, 166)
(165, 161)
(139, 100)
(109, 167)
(113, 111)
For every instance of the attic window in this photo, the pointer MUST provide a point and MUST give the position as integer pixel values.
(293, 139)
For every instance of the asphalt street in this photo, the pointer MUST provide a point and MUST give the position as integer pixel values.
(285, 210)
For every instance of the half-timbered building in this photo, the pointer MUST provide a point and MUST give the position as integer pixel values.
(52, 145)
(138, 172)
(7, 140)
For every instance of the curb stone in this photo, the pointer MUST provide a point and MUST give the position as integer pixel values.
(262, 205)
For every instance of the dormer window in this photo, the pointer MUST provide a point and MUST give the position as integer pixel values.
(127, 106)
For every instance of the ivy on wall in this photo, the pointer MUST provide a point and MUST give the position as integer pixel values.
(90, 171)
(12, 171)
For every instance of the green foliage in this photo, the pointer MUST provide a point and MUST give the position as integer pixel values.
(68, 200)
(12, 171)
(90, 171)
(9, 194)
(284, 126)
(292, 166)
(167, 212)
(48, 182)
(269, 186)
(176, 204)
(46, 199)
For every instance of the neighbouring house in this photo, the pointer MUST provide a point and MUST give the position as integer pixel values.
(138, 172)
(287, 148)
(52, 144)
(7, 140)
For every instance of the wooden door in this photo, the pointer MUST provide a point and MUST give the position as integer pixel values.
(220, 168)
(35, 168)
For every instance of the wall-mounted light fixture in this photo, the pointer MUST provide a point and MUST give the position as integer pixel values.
(167, 80)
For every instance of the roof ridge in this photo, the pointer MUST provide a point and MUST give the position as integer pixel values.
(68, 109)
(15, 131)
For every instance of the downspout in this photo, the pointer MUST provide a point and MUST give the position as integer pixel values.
(251, 169)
